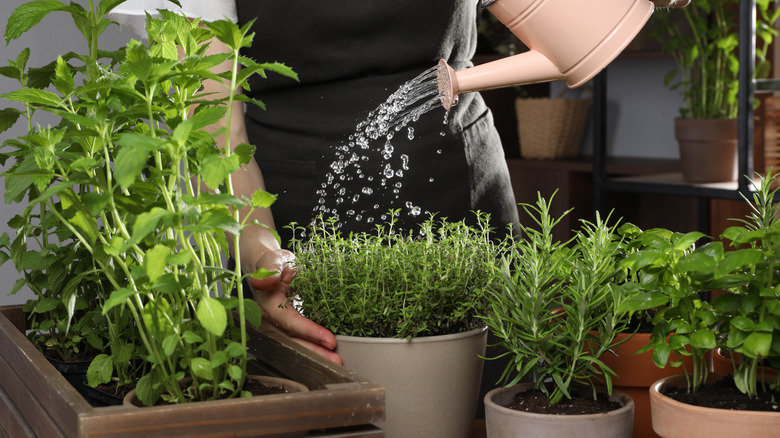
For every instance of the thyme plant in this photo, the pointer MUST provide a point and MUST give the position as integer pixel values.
(129, 198)
(429, 281)
(556, 312)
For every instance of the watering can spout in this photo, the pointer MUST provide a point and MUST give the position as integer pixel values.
(569, 40)
(526, 68)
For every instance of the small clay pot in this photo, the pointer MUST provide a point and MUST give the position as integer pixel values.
(503, 422)
(131, 399)
(673, 419)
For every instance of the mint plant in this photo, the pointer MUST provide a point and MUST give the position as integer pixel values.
(429, 281)
(130, 202)
(557, 310)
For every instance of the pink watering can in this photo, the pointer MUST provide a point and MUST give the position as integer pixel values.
(569, 40)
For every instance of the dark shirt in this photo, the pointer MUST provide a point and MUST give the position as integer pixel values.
(350, 56)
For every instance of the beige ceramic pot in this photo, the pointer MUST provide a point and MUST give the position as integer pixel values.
(503, 422)
(431, 383)
(708, 149)
(672, 419)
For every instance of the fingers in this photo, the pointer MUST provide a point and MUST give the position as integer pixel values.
(272, 293)
(326, 353)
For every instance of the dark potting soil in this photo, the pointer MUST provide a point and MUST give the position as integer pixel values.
(539, 403)
(258, 388)
(723, 394)
(115, 390)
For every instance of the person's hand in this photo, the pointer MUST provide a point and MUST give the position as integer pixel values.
(271, 294)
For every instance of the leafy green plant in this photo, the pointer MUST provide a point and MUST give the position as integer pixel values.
(704, 46)
(673, 273)
(556, 312)
(129, 201)
(430, 281)
(749, 317)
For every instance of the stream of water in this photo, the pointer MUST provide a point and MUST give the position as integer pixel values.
(337, 194)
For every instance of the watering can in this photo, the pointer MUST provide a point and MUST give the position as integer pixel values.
(569, 40)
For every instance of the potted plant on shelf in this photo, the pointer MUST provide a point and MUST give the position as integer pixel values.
(129, 201)
(556, 315)
(404, 309)
(703, 40)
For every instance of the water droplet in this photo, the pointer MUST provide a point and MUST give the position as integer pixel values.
(410, 133)
(430, 180)
(405, 161)
(388, 172)
(438, 151)
(367, 190)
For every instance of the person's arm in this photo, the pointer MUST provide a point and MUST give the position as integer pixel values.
(258, 245)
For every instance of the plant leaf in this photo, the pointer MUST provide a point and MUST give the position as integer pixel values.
(154, 261)
(100, 370)
(28, 15)
(212, 315)
(35, 96)
(201, 368)
(116, 298)
(253, 313)
(133, 156)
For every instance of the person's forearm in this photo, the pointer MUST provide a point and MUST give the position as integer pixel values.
(255, 239)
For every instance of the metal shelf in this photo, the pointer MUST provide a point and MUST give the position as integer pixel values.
(672, 184)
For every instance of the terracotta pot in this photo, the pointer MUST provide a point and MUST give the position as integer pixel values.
(431, 383)
(673, 419)
(290, 385)
(708, 149)
(503, 422)
(721, 363)
(635, 374)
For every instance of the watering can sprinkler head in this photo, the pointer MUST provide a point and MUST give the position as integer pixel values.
(569, 40)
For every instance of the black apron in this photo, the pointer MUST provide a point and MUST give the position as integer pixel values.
(350, 56)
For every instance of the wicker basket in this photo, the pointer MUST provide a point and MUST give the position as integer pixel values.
(552, 128)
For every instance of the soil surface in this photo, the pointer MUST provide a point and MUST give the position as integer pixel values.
(539, 403)
(114, 390)
(723, 394)
(258, 388)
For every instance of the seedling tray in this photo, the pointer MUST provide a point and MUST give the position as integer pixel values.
(36, 401)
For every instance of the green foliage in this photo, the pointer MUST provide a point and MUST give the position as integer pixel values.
(431, 281)
(704, 46)
(745, 321)
(750, 316)
(119, 240)
(556, 312)
(674, 272)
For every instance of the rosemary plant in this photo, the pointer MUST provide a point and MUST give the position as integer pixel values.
(556, 312)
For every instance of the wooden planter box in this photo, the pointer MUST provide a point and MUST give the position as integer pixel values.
(36, 401)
